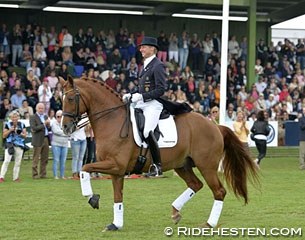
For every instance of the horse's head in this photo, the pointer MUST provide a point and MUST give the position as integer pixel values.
(73, 105)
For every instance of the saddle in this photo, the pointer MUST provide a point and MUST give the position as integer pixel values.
(140, 121)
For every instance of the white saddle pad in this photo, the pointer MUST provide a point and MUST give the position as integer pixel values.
(167, 127)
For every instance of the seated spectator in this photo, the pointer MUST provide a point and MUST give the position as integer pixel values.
(32, 93)
(26, 57)
(79, 56)
(90, 59)
(50, 67)
(34, 67)
(55, 54)
(18, 98)
(110, 81)
(63, 71)
(25, 108)
(40, 55)
(56, 101)
(67, 56)
(260, 103)
(115, 60)
(5, 108)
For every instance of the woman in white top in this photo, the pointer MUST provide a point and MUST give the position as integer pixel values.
(59, 145)
(78, 146)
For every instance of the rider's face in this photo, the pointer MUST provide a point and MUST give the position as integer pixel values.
(147, 51)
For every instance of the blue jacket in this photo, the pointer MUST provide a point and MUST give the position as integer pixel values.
(302, 128)
(14, 137)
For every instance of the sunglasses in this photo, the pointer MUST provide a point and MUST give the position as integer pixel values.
(58, 116)
(215, 112)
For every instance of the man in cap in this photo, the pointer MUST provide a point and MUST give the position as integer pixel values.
(152, 85)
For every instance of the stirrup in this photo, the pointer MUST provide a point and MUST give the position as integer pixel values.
(154, 171)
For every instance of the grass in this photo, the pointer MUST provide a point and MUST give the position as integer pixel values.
(54, 209)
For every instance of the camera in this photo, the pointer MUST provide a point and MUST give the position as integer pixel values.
(18, 131)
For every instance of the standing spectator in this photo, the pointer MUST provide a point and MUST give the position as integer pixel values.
(78, 146)
(233, 47)
(241, 128)
(90, 39)
(14, 134)
(183, 45)
(45, 94)
(5, 108)
(216, 43)
(302, 140)
(90, 156)
(4, 40)
(59, 146)
(52, 37)
(300, 53)
(40, 125)
(173, 48)
(163, 46)
(79, 38)
(195, 51)
(16, 42)
(207, 48)
(260, 130)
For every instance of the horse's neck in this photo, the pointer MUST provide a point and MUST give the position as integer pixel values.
(101, 109)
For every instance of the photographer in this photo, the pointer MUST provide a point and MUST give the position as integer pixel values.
(14, 134)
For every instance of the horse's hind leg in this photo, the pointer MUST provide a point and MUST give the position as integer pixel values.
(194, 185)
(211, 178)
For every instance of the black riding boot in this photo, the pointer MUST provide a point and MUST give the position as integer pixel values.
(155, 169)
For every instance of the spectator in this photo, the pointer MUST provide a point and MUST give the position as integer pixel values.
(183, 45)
(40, 125)
(214, 115)
(78, 147)
(18, 98)
(14, 134)
(260, 130)
(302, 140)
(16, 42)
(241, 128)
(173, 48)
(195, 51)
(25, 108)
(45, 94)
(163, 44)
(59, 147)
(5, 108)
(56, 100)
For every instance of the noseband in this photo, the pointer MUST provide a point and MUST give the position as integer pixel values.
(76, 117)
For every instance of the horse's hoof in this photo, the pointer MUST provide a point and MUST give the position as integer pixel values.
(94, 201)
(176, 217)
(111, 227)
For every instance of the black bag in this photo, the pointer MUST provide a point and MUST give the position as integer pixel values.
(10, 148)
(252, 136)
(26, 148)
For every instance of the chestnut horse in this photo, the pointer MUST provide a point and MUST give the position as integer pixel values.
(201, 144)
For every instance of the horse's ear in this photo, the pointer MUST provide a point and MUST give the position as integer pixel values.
(70, 80)
(62, 81)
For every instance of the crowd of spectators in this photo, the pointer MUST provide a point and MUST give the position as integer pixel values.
(192, 65)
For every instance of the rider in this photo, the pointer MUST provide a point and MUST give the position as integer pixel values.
(152, 85)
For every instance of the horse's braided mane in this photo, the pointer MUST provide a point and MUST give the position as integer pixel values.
(103, 84)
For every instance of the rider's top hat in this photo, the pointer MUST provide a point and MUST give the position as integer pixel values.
(150, 41)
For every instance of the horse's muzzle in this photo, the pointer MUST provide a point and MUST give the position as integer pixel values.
(69, 128)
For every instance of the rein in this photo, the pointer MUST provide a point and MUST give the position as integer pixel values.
(76, 117)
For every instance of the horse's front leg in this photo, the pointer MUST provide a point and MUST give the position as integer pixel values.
(107, 166)
(118, 209)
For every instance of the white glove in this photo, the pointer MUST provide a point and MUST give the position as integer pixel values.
(126, 97)
(136, 97)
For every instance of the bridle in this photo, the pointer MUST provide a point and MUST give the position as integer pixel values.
(76, 117)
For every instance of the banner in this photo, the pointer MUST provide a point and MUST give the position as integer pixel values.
(272, 139)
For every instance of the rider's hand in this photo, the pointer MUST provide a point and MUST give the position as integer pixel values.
(126, 97)
(136, 97)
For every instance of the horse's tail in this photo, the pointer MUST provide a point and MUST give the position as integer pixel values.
(237, 164)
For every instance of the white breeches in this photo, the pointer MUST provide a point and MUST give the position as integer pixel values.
(151, 111)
